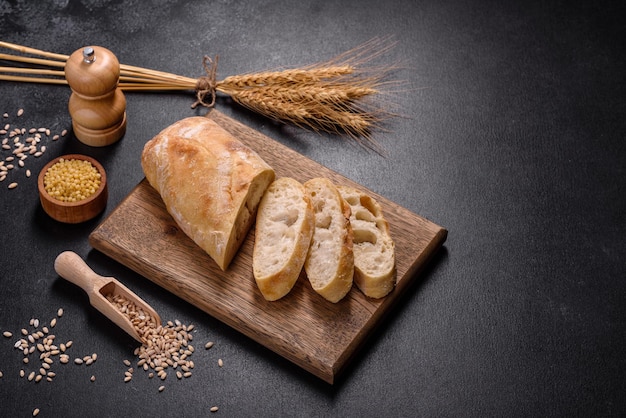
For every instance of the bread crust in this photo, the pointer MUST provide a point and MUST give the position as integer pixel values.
(210, 182)
(284, 227)
(330, 261)
(374, 249)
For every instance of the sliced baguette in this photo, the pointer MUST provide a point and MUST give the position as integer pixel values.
(374, 250)
(284, 227)
(329, 264)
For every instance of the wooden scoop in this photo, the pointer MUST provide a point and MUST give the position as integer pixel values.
(71, 267)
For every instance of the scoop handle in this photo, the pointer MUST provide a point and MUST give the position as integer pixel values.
(71, 267)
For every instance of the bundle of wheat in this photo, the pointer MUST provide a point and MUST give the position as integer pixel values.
(328, 96)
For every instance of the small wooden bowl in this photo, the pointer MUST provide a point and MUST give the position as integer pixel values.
(74, 212)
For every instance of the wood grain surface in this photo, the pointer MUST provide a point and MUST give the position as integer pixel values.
(319, 336)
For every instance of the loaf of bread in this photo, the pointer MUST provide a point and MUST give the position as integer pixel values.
(330, 262)
(374, 250)
(210, 182)
(284, 227)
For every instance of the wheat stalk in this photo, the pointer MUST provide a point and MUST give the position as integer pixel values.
(295, 75)
(331, 96)
(319, 108)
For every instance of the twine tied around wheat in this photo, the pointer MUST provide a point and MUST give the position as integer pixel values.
(207, 85)
(333, 96)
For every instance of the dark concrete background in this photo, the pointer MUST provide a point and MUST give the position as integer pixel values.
(511, 137)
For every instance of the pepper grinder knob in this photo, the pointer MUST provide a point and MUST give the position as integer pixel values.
(89, 55)
(97, 105)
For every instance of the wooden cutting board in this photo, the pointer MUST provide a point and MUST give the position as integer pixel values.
(319, 336)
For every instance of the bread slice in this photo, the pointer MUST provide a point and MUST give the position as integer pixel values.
(210, 182)
(330, 263)
(284, 227)
(374, 250)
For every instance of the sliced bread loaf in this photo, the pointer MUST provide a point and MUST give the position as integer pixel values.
(284, 226)
(330, 263)
(210, 182)
(374, 250)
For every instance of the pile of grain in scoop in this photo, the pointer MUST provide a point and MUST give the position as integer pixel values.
(166, 348)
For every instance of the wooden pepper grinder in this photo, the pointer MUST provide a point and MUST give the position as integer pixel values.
(97, 106)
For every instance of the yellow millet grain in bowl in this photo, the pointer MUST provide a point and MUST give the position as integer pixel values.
(71, 180)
